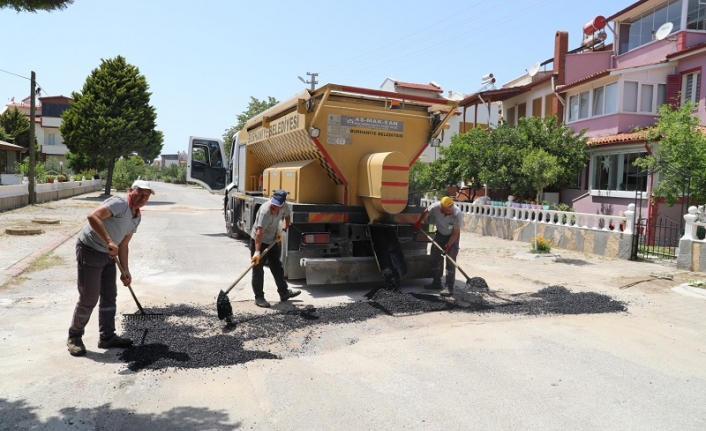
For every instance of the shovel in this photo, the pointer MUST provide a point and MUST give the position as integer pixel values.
(223, 303)
(142, 314)
(469, 284)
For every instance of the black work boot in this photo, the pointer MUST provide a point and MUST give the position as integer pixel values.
(76, 347)
(114, 341)
(289, 294)
(262, 302)
(447, 291)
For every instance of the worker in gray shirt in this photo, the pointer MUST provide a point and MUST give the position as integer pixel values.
(448, 219)
(106, 236)
(265, 232)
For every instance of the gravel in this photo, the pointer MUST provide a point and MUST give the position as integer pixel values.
(192, 336)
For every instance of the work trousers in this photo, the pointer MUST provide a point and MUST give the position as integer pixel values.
(96, 281)
(258, 272)
(437, 261)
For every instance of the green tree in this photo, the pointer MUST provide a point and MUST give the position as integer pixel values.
(569, 147)
(127, 171)
(495, 158)
(466, 158)
(16, 125)
(254, 107)
(541, 169)
(681, 158)
(112, 118)
(35, 5)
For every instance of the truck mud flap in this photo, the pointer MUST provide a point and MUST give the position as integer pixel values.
(342, 270)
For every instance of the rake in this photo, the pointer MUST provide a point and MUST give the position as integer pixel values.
(225, 311)
(142, 314)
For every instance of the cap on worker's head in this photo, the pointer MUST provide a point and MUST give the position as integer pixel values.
(142, 184)
(446, 202)
(278, 197)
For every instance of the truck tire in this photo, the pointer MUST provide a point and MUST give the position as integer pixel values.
(232, 215)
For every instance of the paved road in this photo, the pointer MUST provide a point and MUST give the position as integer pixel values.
(638, 370)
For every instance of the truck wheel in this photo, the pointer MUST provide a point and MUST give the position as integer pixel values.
(232, 217)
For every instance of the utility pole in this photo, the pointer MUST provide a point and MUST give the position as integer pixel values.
(313, 80)
(32, 196)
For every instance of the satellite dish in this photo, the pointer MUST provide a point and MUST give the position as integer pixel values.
(534, 69)
(664, 30)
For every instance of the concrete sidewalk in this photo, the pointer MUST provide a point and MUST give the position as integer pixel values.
(17, 252)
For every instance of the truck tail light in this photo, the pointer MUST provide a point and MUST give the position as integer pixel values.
(316, 238)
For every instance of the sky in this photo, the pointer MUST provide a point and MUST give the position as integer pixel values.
(203, 60)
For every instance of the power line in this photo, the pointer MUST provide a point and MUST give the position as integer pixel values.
(40, 88)
(345, 64)
(449, 40)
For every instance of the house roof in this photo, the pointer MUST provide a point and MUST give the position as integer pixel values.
(626, 10)
(619, 138)
(427, 87)
(12, 147)
(634, 137)
(501, 94)
(690, 50)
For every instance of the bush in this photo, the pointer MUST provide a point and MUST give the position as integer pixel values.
(541, 245)
(127, 171)
(566, 208)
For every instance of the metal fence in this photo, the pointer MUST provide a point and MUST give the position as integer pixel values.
(656, 238)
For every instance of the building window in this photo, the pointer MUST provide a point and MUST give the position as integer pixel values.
(639, 31)
(579, 106)
(661, 94)
(616, 172)
(521, 111)
(630, 96)
(598, 101)
(696, 15)
(548, 100)
(611, 98)
(691, 82)
(646, 95)
(51, 138)
(3, 161)
(537, 107)
(510, 116)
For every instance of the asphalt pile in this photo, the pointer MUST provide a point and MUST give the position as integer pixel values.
(192, 336)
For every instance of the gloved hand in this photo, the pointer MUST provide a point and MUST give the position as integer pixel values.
(447, 248)
(278, 238)
(255, 258)
(418, 225)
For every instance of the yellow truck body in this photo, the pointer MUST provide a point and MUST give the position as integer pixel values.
(343, 155)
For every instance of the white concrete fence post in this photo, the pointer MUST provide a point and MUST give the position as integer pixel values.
(689, 231)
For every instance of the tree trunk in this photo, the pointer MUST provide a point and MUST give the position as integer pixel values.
(109, 180)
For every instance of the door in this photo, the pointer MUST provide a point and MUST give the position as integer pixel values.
(206, 164)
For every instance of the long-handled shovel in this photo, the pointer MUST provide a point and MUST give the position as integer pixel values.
(142, 314)
(469, 284)
(223, 303)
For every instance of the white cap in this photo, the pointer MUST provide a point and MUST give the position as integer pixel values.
(142, 184)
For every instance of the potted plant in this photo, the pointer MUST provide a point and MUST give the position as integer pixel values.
(545, 205)
(51, 178)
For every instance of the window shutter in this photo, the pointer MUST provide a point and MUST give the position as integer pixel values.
(673, 90)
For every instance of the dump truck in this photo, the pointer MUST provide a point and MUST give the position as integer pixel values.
(343, 156)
